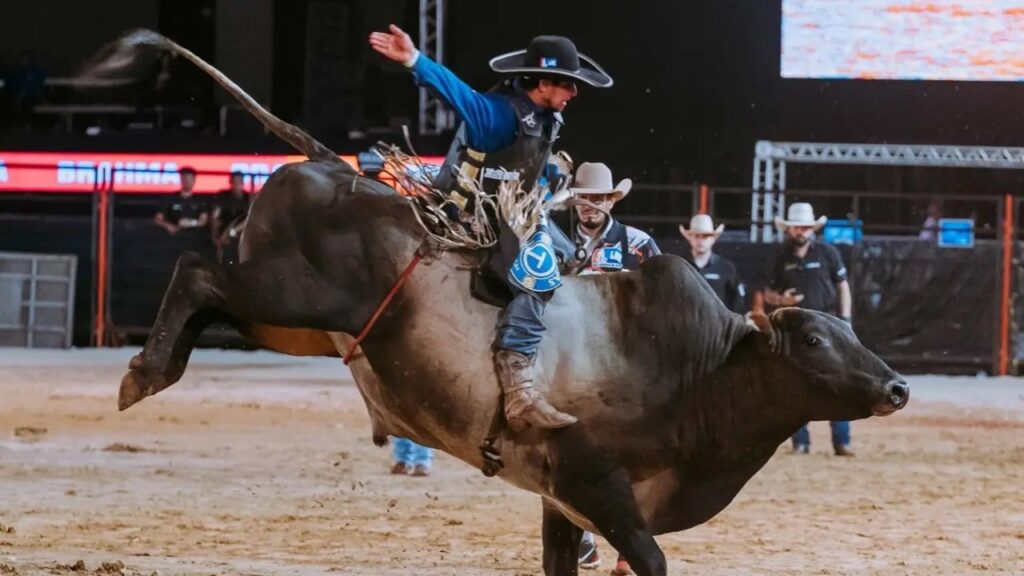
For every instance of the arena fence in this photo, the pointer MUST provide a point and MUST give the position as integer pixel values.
(918, 305)
(37, 294)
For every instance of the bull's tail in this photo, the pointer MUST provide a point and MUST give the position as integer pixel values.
(121, 54)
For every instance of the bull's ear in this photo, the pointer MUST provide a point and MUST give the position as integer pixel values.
(770, 329)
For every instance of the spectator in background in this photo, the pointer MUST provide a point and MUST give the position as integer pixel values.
(228, 217)
(411, 458)
(719, 273)
(610, 246)
(183, 211)
(930, 227)
(26, 84)
(810, 275)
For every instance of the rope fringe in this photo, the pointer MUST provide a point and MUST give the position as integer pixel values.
(520, 209)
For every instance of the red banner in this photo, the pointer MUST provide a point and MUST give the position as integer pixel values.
(136, 173)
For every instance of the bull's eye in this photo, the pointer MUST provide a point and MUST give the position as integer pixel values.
(812, 341)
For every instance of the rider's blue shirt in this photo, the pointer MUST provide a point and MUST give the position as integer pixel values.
(490, 120)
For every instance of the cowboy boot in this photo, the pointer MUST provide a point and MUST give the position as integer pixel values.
(525, 406)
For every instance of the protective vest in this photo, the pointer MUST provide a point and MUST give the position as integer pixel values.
(612, 254)
(523, 160)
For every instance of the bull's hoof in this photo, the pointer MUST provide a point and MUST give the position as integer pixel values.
(137, 362)
(131, 391)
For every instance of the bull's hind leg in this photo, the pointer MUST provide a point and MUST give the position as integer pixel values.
(279, 292)
(189, 306)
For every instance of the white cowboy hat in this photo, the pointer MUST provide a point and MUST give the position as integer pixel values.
(800, 214)
(596, 178)
(701, 224)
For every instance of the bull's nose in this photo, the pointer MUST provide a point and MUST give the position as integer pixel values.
(898, 392)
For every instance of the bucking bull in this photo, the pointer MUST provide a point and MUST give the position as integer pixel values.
(680, 402)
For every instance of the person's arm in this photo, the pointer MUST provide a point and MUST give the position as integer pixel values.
(839, 277)
(215, 224)
(845, 300)
(740, 296)
(734, 290)
(161, 221)
(490, 120)
(651, 249)
(772, 296)
(646, 249)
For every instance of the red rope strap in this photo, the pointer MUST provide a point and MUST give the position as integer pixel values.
(383, 305)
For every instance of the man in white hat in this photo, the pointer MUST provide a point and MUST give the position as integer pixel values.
(506, 134)
(810, 275)
(610, 246)
(719, 272)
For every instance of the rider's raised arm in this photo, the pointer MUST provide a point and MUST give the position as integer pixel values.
(490, 120)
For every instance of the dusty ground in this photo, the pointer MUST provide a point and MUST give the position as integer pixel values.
(262, 464)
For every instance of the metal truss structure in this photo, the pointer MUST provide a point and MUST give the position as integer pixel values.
(434, 117)
(769, 187)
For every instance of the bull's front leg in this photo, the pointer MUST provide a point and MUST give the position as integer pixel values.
(561, 543)
(593, 483)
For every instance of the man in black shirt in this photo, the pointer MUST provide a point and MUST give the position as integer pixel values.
(810, 275)
(183, 211)
(719, 273)
(228, 217)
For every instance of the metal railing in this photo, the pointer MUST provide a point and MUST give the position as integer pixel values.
(37, 294)
(663, 207)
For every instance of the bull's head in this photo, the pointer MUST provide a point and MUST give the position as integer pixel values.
(839, 379)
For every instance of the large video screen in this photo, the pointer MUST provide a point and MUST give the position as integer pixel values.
(903, 40)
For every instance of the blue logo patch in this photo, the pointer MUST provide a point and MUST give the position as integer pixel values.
(536, 267)
(547, 62)
(608, 257)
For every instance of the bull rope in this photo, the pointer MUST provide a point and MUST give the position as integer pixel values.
(384, 303)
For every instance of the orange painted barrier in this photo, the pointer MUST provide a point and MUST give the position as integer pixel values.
(1004, 307)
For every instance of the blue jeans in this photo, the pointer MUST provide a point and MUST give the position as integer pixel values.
(411, 453)
(521, 327)
(840, 434)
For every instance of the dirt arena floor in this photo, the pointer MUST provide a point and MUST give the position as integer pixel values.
(262, 464)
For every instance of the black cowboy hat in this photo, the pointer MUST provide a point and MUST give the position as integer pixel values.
(555, 56)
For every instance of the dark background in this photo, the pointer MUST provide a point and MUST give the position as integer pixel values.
(697, 82)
